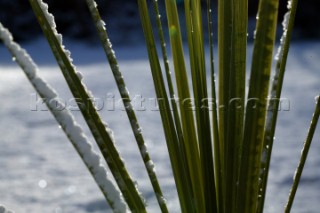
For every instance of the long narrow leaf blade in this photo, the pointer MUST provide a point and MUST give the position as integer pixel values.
(110, 54)
(199, 81)
(187, 117)
(176, 155)
(173, 98)
(273, 105)
(232, 44)
(256, 105)
(67, 122)
(103, 138)
(304, 154)
(215, 127)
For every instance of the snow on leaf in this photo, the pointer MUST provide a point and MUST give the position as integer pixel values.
(67, 122)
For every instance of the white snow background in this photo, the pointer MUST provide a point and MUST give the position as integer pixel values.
(41, 172)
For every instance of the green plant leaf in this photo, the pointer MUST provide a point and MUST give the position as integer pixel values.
(191, 145)
(106, 44)
(274, 101)
(256, 105)
(304, 155)
(177, 156)
(96, 126)
(232, 43)
(199, 81)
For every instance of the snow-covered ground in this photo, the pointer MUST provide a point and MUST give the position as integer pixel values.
(41, 172)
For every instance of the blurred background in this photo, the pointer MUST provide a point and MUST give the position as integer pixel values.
(122, 18)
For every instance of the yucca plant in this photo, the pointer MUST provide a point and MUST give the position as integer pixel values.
(219, 142)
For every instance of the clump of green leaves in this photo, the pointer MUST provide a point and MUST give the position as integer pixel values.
(220, 152)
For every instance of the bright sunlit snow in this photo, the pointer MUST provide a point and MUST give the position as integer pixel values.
(41, 171)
